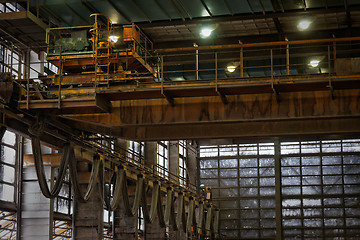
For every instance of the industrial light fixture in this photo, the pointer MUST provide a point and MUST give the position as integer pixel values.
(114, 38)
(314, 63)
(303, 25)
(231, 68)
(205, 32)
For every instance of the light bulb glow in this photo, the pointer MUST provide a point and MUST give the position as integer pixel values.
(231, 68)
(205, 32)
(314, 63)
(303, 25)
(114, 38)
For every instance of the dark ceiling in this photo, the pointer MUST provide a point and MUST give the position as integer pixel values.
(178, 22)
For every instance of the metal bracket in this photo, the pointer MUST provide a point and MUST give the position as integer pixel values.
(169, 99)
(277, 94)
(222, 97)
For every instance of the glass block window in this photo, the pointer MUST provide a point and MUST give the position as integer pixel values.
(8, 163)
(242, 178)
(319, 192)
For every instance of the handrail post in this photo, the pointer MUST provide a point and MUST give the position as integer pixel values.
(329, 60)
(287, 60)
(60, 75)
(334, 52)
(216, 72)
(272, 65)
(27, 75)
(197, 64)
(241, 62)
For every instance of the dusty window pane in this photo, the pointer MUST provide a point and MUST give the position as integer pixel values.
(8, 174)
(290, 171)
(209, 173)
(310, 147)
(331, 146)
(310, 160)
(290, 181)
(228, 173)
(310, 202)
(252, 162)
(266, 162)
(267, 213)
(333, 212)
(8, 155)
(290, 148)
(267, 172)
(6, 193)
(291, 212)
(9, 138)
(310, 170)
(248, 172)
(290, 161)
(311, 180)
(208, 164)
(351, 159)
(246, 192)
(229, 163)
(267, 191)
(267, 181)
(251, 203)
(331, 160)
(291, 222)
(313, 222)
(248, 182)
(312, 212)
(267, 203)
(253, 213)
(291, 203)
(311, 190)
(351, 169)
(333, 222)
(291, 190)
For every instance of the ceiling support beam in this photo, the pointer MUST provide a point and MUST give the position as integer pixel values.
(228, 8)
(206, 8)
(262, 7)
(141, 10)
(162, 9)
(177, 10)
(251, 8)
(121, 13)
(182, 6)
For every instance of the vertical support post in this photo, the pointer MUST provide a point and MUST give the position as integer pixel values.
(216, 72)
(329, 60)
(334, 47)
(42, 62)
(19, 70)
(27, 75)
(278, 200)
(196, 64)
(60, 76)
(272, 66)
(287, 60)
(241, 62)
(162, 74)
(11, 59)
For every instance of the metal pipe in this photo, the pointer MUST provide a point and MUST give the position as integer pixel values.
(216, 73)
(262, 44)
(334, 46)
(60, 76)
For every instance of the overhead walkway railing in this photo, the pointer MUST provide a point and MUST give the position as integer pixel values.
(268, 64)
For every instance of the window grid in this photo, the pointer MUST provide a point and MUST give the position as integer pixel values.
(162, 164)
(136, 151)
(319, 193)
(182, 162)
(8, 163)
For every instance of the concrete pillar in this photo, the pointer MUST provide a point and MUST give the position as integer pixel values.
(88, 216)
(193, 167)
(125, 226)
(174, 159)
(150, 154)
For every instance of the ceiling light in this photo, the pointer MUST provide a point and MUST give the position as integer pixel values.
(303, 25)
(114, 38)
(314, 63)
(205, 32)
(231, 68)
